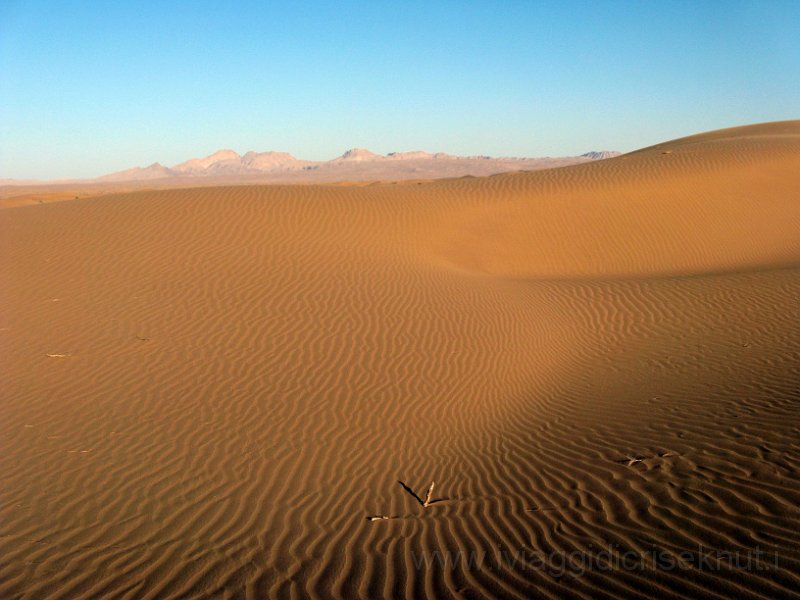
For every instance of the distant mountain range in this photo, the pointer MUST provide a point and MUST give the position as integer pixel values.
(357, 164)
(602, 154)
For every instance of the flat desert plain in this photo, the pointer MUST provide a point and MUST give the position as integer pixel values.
(247, 391)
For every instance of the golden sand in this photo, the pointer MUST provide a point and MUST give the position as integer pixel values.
(215, 391)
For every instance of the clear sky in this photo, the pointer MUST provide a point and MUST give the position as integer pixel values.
(87, 88)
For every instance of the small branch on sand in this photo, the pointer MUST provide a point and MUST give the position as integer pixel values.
(423, 503)
(428, 496)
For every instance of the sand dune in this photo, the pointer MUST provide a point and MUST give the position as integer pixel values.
(209, 391)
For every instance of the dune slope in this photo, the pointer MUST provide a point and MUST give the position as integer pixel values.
(207, 392)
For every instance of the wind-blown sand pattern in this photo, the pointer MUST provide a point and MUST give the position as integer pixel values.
(209, 392)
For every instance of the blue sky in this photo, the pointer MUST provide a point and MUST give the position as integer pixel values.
(88, 88)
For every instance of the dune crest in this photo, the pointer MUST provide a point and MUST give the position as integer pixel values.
(698, 204)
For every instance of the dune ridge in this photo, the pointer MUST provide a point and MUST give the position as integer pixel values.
(208, 391)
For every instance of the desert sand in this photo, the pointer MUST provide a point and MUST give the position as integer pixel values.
(215, 391)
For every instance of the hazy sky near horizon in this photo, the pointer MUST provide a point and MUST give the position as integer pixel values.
(90, 88)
